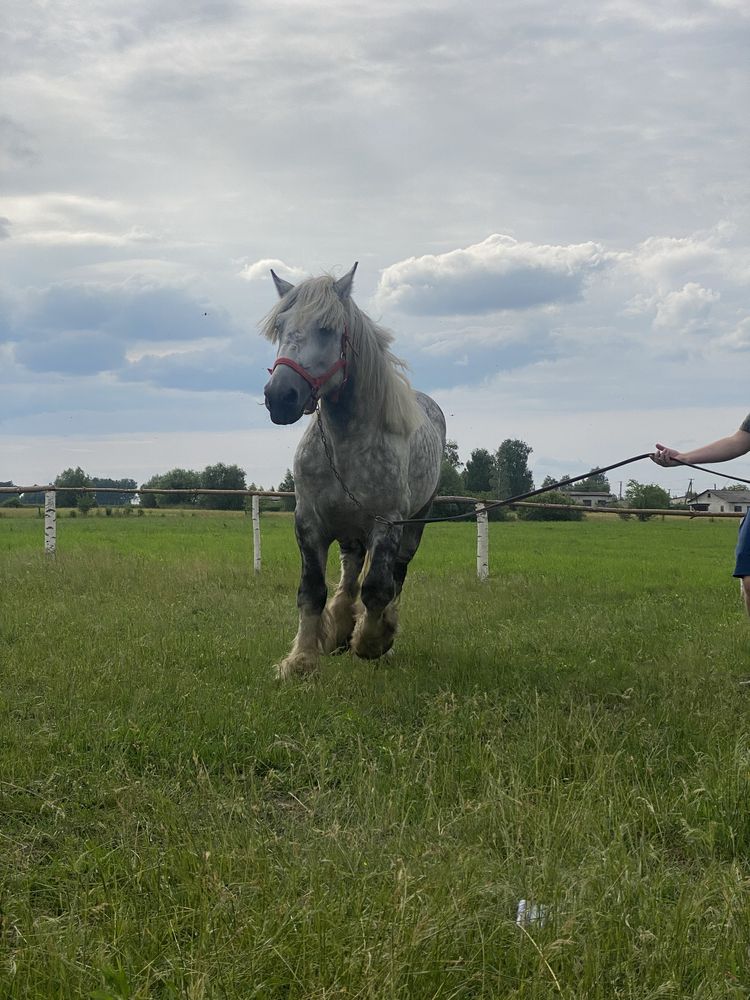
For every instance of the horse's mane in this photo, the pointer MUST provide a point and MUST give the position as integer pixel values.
(380, 375)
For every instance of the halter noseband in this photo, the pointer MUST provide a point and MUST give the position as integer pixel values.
(316, 382)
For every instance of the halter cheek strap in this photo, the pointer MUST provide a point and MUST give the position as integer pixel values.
(316, 382)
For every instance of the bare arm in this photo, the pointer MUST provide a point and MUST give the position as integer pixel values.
(718, 451)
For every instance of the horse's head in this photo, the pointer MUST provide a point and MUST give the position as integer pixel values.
(310, 326)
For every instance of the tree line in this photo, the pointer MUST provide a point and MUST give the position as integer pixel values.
(71, 484)
(488, 475)
(497, 475)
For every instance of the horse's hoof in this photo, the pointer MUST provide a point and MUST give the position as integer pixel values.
(373, 645)
(296, 665)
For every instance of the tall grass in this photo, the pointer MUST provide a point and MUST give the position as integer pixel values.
(572, 732)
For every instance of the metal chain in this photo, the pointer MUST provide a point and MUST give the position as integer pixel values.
(337, 474)
(329, 456)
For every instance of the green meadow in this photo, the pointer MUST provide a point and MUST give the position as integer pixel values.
(573, 732)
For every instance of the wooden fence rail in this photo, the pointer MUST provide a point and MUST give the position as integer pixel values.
(480, 510)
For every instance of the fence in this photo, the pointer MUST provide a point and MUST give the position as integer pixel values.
(480, 512)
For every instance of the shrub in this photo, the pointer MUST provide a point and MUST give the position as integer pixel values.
(538, 513)
(85, 503)
(494, 513)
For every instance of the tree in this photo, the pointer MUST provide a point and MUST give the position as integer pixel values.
(645, 496)
(85, 502)
(538, 512)
(71, 478)
(222, 477)
(11, 500)
(451, 454)
(287, 486)
(478, 472)
(450, 484)
(287, 483)
(511, 474)
(597, 482)
(175, 479)
(111, 496)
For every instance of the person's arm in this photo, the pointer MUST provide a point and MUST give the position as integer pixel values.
(718, 451)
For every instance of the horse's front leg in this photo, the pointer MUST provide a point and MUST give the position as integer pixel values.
(340, 614)
(376, 628)
(303, 657)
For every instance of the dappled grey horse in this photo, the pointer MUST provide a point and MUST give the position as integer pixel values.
(371, 455)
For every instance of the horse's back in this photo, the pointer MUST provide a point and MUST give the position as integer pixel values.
(426, 452)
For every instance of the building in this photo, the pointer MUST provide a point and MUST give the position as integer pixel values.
(589, 498)
(722, 501)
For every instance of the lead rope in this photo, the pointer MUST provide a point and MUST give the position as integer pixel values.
(509, 501)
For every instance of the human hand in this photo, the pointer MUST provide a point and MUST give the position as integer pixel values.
(666, 457)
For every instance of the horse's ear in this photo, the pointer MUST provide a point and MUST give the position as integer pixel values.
(282, 287)
(344, 285)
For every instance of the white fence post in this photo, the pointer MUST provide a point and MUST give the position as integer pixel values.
(50, 522)
(483, 542)
(256, 533)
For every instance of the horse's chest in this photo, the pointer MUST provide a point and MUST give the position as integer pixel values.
(376, 476)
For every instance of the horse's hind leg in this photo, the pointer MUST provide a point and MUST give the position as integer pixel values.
(376, 628)
(340, 613)
(303, 657)
(410, 540)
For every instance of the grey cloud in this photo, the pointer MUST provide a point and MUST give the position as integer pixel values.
(16, 145)
(128, 312)
(497, 274)
(4, 228)
(71, 353)
(199, 371)
(74, 329)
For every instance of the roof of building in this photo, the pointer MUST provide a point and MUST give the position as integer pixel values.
(736, 496)
(590, 493)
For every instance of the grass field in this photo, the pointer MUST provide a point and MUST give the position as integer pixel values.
(573, 732)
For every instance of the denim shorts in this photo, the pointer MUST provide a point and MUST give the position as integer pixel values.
(742, 567)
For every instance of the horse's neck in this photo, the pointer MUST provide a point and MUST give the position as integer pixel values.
(350, 417)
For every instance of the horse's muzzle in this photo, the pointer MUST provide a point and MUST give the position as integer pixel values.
(286, 395)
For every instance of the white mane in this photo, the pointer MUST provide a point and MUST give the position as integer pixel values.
(379, 374)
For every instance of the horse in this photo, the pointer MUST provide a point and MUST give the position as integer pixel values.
(370, 457)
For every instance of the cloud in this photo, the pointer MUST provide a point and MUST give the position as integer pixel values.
(86, 329)
(496, 275)
(4, 228)
(207, 370)
(738, 339)
(260, 270)
(58, 218)
(71, 353)
(16, 148)
(687, 309)
(664, 260)
(130, 311)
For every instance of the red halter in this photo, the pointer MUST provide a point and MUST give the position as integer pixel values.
(316, 382)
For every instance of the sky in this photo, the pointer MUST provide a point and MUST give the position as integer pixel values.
(549, 204)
